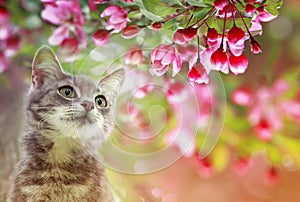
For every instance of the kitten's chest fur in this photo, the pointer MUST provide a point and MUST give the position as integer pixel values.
(59, 171)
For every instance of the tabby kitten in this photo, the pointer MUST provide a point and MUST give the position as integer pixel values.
(67, 117)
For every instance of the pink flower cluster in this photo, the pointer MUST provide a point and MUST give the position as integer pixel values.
(9, 38)
(116, 21)
(68, 17)
(267, 110)
(222, 52)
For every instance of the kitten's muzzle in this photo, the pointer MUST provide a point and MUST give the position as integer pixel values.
(88, 105)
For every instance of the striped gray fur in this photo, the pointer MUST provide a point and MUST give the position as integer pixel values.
(58, 161)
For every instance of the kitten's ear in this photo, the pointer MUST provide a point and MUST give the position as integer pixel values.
(112, 83)
(45, 66)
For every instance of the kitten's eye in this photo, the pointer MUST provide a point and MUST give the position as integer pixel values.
(100, 101)
(66, 91)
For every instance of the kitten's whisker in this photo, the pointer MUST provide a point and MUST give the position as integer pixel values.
(122, 139)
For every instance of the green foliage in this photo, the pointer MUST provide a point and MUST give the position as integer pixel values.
(148, 14)
(158, 8)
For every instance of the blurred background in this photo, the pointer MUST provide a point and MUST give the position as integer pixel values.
(253, 161)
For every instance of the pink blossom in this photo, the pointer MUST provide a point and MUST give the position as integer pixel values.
(220, 4)
(100, 1)
(161, 57)
(219, 58)
(101, 37)
(238, 64)
(68, 49)
(213, 39)
(117, 18)
(228, 10)
(134, 56)
(250, 9)
(236, 40)
(182, 36)
(263, 15)
(198, 74)
(92, 5)
(130, 31)
(255, 47)
(205, 59)
(157, 26)
(61, 33)
(178, 37)
(187, 51)
(256, 27)
(68, 16)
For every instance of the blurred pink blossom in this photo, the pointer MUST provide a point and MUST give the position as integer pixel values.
(68, 49)
(272, 177)
(242, 166)
(101, 37)
(204, 166)
(10, 41)
(134, 56)
(3, 62)
(266, 107)
(242, 96)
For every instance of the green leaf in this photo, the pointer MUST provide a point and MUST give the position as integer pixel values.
(199, 3)
(173, 2)
(272, 9)
(158, 8)
(146, 13)
(201, 12)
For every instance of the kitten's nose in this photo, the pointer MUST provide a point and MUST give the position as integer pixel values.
(87, 105)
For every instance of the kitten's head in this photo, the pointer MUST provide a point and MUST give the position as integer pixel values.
(68, 105)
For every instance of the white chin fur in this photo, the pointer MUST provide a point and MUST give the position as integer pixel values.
(88, 132)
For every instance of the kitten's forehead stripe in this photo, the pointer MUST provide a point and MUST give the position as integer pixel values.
(85, 85)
